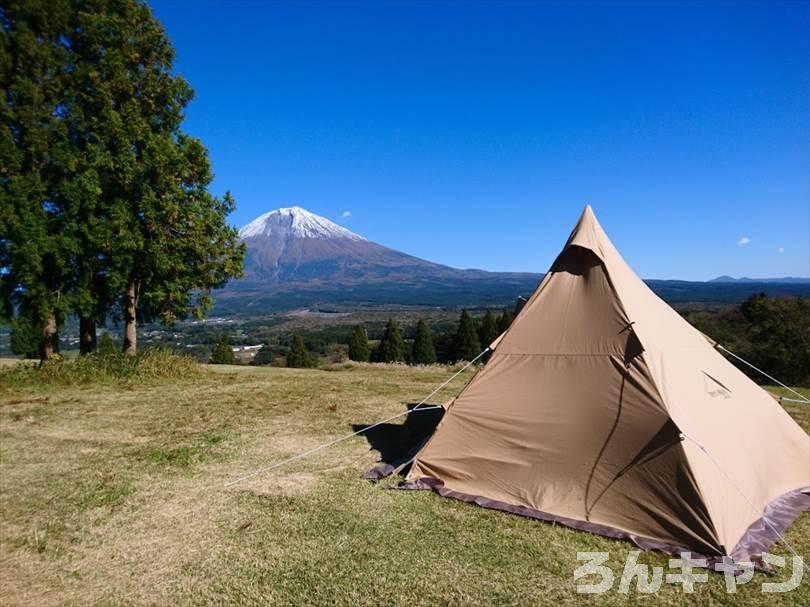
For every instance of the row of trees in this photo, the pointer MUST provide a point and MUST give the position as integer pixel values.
(464, 343)
(104, 206)
(467, 342)
(297, 354)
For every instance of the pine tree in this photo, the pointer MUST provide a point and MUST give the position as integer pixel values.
(298, 355)
(424, 352)
(505, 319)
(467, 344)
(488, 331)
(358, 345)
(391, 347)
(222, 353)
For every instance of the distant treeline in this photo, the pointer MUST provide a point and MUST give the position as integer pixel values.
(417, 345)
(770, 333)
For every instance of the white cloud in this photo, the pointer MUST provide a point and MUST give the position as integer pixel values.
(345, 214)
(780, 250)
(743, 241)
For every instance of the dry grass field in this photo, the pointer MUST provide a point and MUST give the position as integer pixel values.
(112, 493)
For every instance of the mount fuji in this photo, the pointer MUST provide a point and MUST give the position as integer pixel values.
(295, 257)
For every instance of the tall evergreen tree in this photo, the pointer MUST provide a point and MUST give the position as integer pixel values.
(222, 353)
(467, 344)
(35, 156)
(358, 345)
(103, 201)
(172, 244)
(298, 355)
(391, 347)
(505, 320)
(488, 330)
(424, 352)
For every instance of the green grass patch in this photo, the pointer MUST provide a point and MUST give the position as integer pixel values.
(149, 365)
(203, 448)
(104, 495)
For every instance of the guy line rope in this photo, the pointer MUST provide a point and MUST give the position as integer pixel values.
(771, 377)
(418, 407)
(728, 477)
(746, 498)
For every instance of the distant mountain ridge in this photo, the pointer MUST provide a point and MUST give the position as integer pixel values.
(296, 258)
(745, 279)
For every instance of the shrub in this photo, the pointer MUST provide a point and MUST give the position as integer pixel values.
(264, 356)
(222, 353)
(106, 346)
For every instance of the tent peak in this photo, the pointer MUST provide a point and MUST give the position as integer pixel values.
(588, 234)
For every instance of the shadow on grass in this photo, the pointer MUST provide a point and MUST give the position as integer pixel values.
(395, 442)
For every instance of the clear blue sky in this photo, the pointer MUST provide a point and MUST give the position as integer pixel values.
(473, 134)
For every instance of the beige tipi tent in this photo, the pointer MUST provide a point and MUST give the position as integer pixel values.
(602, 409)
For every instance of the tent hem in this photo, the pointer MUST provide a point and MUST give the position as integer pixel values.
(766, 530)
(760, 536)
(437, 486)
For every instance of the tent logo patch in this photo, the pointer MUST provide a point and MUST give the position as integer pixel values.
(714, 387)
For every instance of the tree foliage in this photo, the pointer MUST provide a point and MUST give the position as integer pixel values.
(106, 345)
(298, 356)
(104, 207)
(264, 356)
(25, 337)
(488, 331)
(359, 349)
(505, 320)
(391, 347)
(467, 344)
(35, 160)
(771, 333)
(222, 353)
(423, 352)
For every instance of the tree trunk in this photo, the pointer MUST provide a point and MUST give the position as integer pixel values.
(130, 346)
(87, 335)
(49, 344)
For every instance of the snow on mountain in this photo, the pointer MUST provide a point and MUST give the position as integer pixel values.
(295, 222)
(296, 258)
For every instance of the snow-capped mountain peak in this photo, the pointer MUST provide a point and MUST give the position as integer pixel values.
(295, 222)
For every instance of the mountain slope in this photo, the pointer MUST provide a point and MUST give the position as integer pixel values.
(295, 257)
(292, 245)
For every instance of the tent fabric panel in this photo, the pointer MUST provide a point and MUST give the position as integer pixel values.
(754, 450)
(592, 446)
(578, 313)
